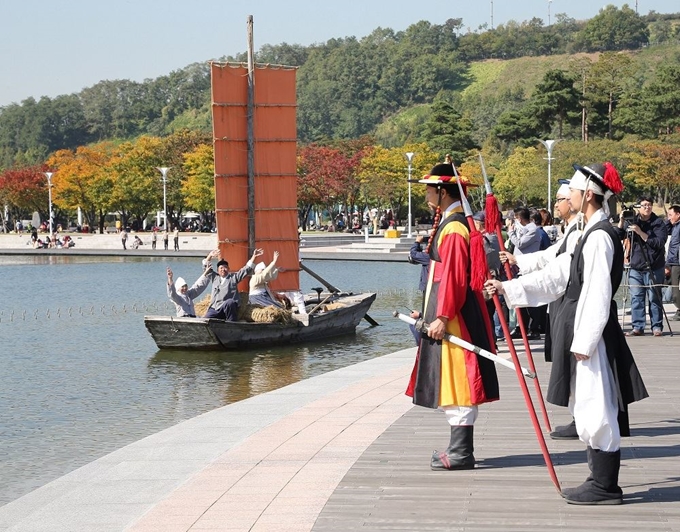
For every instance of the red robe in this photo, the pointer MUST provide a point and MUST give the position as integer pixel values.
(444, 373)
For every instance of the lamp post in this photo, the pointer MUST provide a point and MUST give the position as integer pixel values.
(549, 144)
(49, 175)
(164, 172)
(409, 158)
(549, 2)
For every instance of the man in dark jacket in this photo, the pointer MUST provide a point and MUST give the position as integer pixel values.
(647, 236)
(673, 256)
(417, 255)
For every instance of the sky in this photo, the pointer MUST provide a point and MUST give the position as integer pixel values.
(50, 47)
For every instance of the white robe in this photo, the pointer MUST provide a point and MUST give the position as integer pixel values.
(593, 395)
(530, 262)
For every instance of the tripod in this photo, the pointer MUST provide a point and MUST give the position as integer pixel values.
(652, 285)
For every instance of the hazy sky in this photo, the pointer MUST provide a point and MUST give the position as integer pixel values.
(50, 47)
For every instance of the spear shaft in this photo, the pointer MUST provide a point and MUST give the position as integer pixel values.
(513, 352)
(492, 218)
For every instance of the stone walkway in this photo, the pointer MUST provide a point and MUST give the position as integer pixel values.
(347, 451)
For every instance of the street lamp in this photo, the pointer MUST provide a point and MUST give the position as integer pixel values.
(49, 175)
(409, 158)
(549, 2)
(164, 172)
(549, 144)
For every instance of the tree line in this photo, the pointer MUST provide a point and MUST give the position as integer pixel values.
(347, 87)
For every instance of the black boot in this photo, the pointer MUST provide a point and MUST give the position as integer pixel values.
(565, 432)
(458, 455)
(602, 486)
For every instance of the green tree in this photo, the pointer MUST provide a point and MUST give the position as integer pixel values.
(521, 178)
(447, 131)
(611, 74)
(613, 29)
(555, 99)
(521, 127)
(662, 96)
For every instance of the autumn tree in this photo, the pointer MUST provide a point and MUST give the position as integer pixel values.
(24, 191)
(655, 167)
(137, 187)
(199, 186)
(82, 178)
(171, 152)
(322, 173)
(384, 176)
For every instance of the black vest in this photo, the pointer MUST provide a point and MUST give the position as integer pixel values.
(628, 381)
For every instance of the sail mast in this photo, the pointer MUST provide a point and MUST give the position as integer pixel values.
(251, 140)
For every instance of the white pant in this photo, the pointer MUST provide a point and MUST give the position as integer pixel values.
(460, 415)
(593, 402)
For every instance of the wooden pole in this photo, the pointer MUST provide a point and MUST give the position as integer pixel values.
(251, 139)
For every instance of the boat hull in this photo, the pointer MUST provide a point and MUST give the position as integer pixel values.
(211, 334)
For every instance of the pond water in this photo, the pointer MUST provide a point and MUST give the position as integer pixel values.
(81, 376)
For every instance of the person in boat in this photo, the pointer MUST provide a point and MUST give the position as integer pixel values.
(260, 294)
(183, 296)
(593, 369)
(224, 299)
(446, 376)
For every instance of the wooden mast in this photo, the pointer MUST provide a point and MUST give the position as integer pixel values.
(251, 139)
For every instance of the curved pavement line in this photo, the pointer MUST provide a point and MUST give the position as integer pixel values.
(269, 462)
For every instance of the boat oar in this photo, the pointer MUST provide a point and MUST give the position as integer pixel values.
(323, 281)
(421, 326)
(333, 290)
(321, 303)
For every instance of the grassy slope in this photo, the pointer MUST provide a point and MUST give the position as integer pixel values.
(491, 76)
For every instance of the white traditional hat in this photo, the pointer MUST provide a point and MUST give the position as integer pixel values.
(259, 267)
(179, 283)
(564, 190)
(602, 179)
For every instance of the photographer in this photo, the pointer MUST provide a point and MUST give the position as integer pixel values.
(647, 235)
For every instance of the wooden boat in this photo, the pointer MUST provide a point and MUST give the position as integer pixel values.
(255, 144)
(344, 313)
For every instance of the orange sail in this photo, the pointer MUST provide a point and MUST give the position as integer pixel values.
(275, 170)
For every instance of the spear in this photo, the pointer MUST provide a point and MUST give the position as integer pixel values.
(492, 225)
(506, 331)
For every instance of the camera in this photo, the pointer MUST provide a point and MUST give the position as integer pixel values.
(628, 214)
